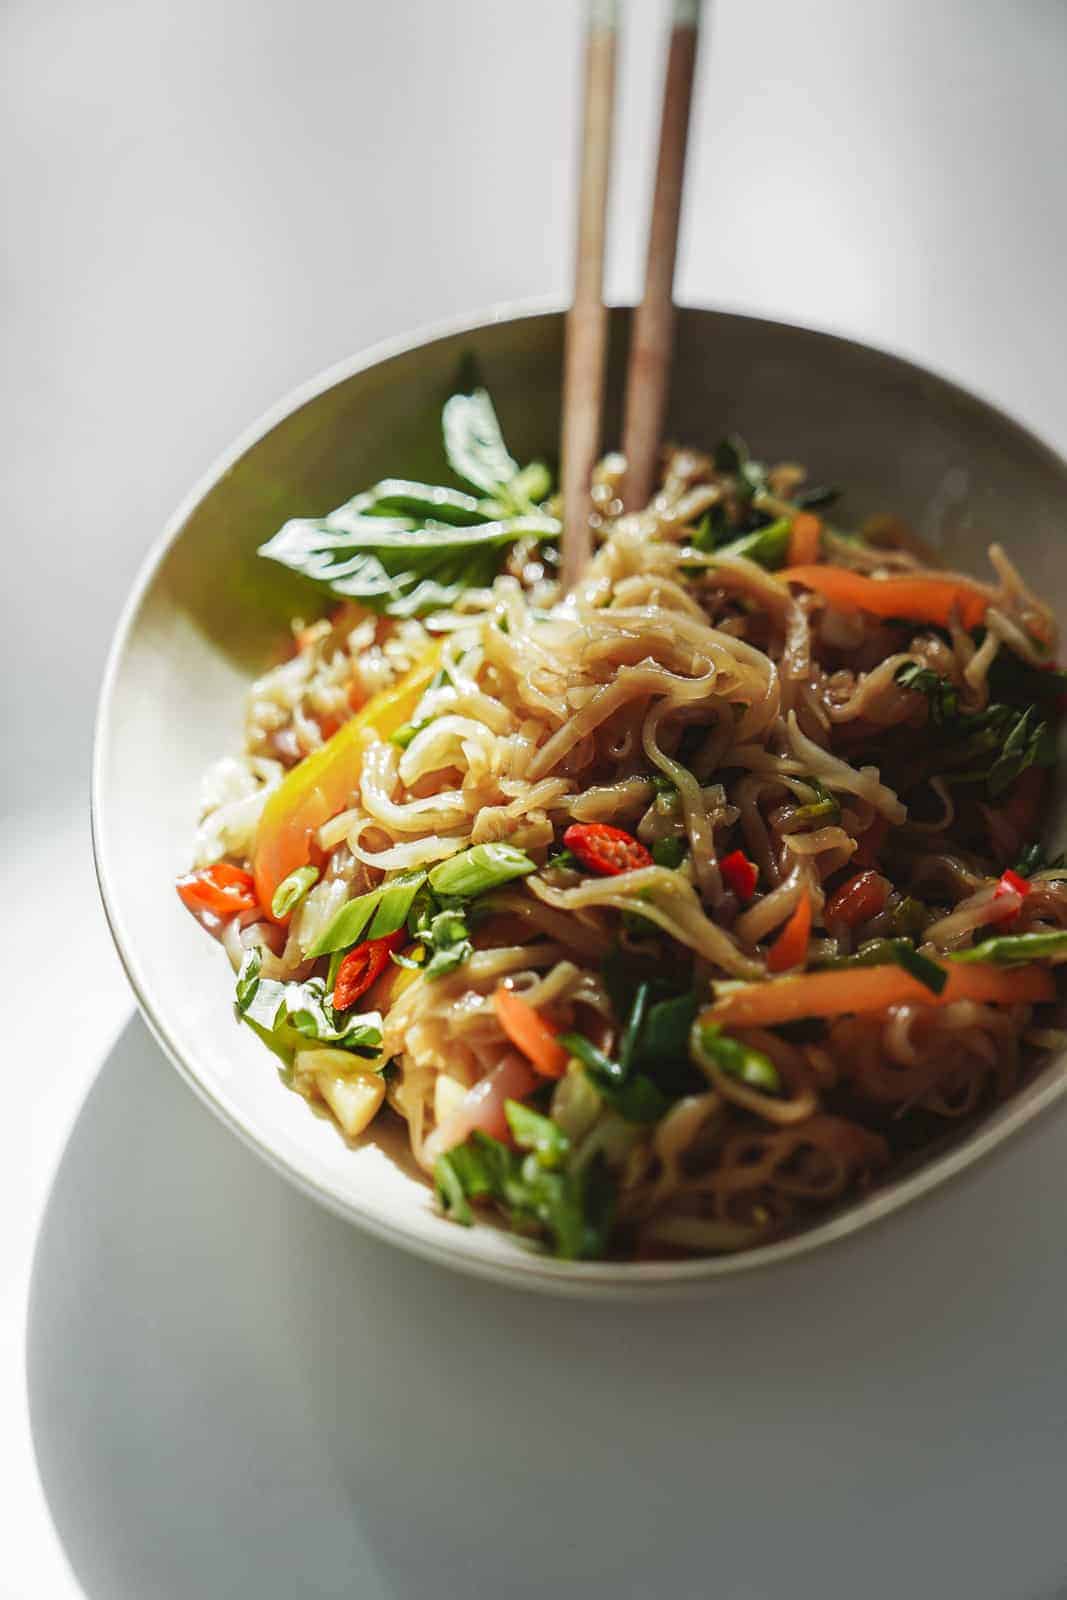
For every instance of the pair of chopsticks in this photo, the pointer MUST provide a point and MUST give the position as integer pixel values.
(653, 326)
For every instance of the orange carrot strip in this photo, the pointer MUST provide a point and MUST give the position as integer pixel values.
(925, 599)
(531, 1033)
(791, 945)
(804, 537)
(835, 994)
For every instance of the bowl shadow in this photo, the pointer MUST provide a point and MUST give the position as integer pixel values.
(233, 1392)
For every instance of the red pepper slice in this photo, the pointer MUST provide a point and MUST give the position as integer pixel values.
(1011, 883)
(857, 900)
(221, 888)
(605, 849)
(363, 966)
(739, 874)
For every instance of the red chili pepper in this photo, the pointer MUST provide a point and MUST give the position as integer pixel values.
(739, 874)
(1011, 883)
(858, 900)
(363, 966)
(221, 888)
(605, 849)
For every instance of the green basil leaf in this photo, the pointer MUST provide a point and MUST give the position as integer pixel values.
(393, 566)
(421, 502)
(474, 443)
(302, 1010)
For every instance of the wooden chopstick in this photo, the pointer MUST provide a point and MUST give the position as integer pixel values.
(586, 335)
(652, 337)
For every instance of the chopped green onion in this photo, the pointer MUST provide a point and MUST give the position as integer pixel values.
(1011, 949)
(768, 546)
(662, 784)
(637, 1099)
(709, 1044)
(669, 852)
(666, 1030)
(532, 1131)
(927, 972)
(291, 890)
(633, 1027)
(909, 917)
(483, 867)
(347, 926)
(396, 901)
(451, 1195)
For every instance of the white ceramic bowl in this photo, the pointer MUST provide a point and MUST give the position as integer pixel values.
(205, 615)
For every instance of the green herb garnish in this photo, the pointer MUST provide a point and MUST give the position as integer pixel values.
(482, 867)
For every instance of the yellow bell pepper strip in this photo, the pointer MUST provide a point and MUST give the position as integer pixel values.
(321, 785)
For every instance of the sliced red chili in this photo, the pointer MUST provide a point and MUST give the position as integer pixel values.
(858, 900)
(363, 966)
(605, 849)
(221, 888)
(1012, 883)
(739, 874)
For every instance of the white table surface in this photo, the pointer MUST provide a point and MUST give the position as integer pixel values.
(207, 1386)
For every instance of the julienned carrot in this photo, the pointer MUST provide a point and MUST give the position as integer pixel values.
(804, 537)
(834, 994)
(529, 1032)
(791, 945)
(925, 599)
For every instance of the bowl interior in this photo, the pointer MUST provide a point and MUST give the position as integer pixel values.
(207, 615)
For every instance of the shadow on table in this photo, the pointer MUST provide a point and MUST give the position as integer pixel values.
(234, 1393)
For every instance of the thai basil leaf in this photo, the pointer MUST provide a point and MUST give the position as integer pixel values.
(393, 565)
(421, 502)
(941, 696)
(304, 1009)
(474, 443)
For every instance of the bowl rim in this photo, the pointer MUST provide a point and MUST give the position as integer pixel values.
(616, 1280)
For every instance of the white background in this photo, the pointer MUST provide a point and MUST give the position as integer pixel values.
(208, 1387)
